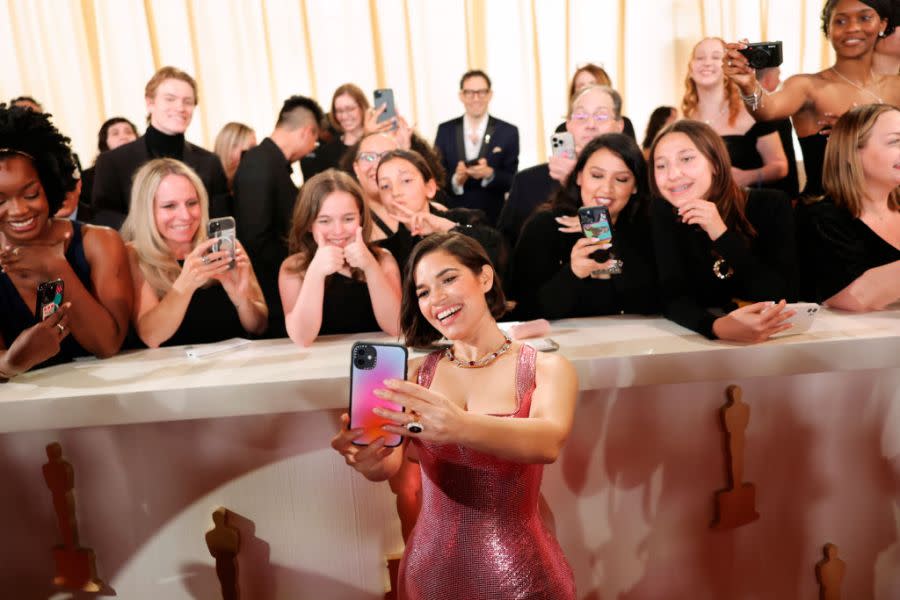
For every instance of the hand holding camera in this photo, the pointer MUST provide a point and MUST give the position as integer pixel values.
(743, 58)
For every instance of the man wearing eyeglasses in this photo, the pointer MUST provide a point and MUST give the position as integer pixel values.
(595, 110)
(480, 152)
(264, 196)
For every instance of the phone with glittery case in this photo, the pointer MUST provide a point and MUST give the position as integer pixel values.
(370, 365)
(49, 298)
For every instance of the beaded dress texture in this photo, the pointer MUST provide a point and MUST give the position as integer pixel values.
(479, 535)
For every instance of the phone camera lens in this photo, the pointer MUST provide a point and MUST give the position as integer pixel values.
(360, 363)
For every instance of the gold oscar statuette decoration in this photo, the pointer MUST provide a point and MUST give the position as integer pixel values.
(76, 567)
(224, 543)
(830, 574)
(735, 505)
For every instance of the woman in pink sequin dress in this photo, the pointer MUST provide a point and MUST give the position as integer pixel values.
(485, 417)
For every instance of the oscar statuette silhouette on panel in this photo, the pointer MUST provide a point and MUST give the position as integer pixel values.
(735, 505)
(75, 566)
(830, 574)
(224, 543)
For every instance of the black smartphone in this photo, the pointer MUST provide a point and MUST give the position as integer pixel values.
(763, 55)
(223, 231)
(472, 163)
(370, 365)
(49, 298)
(385, 97)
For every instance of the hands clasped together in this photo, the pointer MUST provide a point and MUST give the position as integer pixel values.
(38, 260)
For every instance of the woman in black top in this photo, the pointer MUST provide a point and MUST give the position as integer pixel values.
(555, 274)
(407, 186)
(36, 167)
(718, 245)
(336, 280)
(850, 240)
(184, 292)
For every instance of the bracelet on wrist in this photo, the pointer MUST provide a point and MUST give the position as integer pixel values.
(754, 99)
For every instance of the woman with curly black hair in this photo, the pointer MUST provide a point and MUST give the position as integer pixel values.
(36, 172)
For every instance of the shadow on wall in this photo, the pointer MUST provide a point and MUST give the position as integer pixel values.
(638, 527)
(258, 576)
(115, 476)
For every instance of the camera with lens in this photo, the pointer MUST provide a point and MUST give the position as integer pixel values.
(364, 357)
(763, 55)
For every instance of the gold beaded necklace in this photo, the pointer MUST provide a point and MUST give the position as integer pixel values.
(481, 362)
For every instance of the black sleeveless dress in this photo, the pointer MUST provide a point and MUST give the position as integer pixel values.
(347, 307)
(16, 317)
(210, 317)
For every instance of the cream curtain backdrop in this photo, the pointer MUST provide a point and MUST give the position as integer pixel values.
(87, 60)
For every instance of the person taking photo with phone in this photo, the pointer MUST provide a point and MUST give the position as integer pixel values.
(814, 101)
(593, 111)
(185, 293)
(481, 419)
(850, 239)
(36, 168)
(726, 256)
(336, 280)
(555, 274)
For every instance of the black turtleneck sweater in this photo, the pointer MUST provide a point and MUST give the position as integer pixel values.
(163, 145)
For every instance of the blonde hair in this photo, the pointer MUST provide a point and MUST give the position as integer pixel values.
(233, 135)
(842, 170)
(691, 100)
(158, 264)
(309, 203)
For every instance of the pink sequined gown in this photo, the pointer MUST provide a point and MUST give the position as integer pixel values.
(479, 535)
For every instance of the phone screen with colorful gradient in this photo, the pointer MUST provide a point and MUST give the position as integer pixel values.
(370, 365)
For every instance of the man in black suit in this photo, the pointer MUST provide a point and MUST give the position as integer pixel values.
(480, 152)
(594, 110)
(171, 96)
(264, 196)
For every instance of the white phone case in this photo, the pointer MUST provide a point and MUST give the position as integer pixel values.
(803, 319)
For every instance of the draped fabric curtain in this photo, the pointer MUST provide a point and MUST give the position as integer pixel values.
(87, 60)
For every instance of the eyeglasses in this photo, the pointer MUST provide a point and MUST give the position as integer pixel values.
(476, 93)
(370, 156)
(598, 117)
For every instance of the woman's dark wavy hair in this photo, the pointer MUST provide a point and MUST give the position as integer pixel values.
(102, 144)
(24, 132)
(410, 156)
(415, 327)
(568, 198)
(657, 121)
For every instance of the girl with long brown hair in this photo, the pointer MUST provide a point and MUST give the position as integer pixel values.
(335, 279)
(718, 245)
